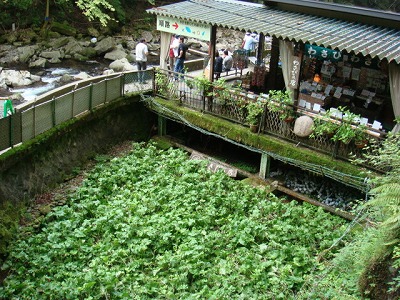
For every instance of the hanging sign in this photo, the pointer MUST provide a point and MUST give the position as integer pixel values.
(185, 28)
(322, 53)
(294, 73)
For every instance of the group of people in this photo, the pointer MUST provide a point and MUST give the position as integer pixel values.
(222, 64)
(177, 53)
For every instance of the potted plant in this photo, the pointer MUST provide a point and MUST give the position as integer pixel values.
(255, 110)
(361, 139)
(282, 103)
(324, 126)
(346, 132)
(220, 91)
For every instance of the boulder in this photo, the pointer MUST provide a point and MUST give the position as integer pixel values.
(303, 126)
(63, 29)
(73, 47)
(18, 78)
(51, 54)
(147, 35)
(66, 78)
(121, 65)
(81, 76)
(60, 42)
(105, 45)
(25, 53)
(117, 53)
(38, 63)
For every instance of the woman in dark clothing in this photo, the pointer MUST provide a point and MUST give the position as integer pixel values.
(217, 65)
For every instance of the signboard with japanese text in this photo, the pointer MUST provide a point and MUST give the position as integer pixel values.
(185, 28)
(294, 73)
(322, 53)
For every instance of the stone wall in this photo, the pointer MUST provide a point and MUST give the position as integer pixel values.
(40, 165)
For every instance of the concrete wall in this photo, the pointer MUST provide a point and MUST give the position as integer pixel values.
(43, 163)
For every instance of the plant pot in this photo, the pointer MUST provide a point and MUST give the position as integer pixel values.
(254, 128)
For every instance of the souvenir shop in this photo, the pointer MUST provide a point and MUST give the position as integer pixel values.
(330, 79)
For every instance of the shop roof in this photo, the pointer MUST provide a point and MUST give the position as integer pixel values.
(376, 41)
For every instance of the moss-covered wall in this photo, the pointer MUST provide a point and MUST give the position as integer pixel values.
(42, 163)
(267, 143)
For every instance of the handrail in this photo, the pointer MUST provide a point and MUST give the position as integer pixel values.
(66, 102)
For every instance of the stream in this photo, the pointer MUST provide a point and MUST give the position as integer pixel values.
(51, 77)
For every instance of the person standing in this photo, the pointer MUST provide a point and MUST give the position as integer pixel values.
(141, 58)
(227, 62)
(217, 65)
(181, 57)
(173, 51)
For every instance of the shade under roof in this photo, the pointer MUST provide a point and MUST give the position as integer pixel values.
(376, 41)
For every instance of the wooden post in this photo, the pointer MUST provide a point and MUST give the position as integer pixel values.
(162, 126)
(260, 49)
(265, 165)
(273, 64)
(213, 40)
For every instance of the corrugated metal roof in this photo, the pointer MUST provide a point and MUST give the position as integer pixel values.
(381, 42)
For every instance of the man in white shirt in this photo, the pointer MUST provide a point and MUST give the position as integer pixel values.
(141, 52)
(173, 54)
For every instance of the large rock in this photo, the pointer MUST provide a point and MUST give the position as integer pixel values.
(147, 35)
(17, 78)
(82, 76)
(303, 126)
(51, 55)
(73, 47)
(121, 65)
(25, 53)
(117, 53)
(105, 45)
(38, 63)
(63, 29)
(60, 42)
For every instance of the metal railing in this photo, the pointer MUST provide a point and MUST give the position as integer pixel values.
(69, 101)
(62, 104)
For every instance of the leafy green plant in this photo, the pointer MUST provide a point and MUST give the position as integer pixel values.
(324, 125)
(155, 225)
(281, 102)
(203, 85)
(255, 110)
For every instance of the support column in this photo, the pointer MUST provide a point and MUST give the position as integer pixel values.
(265, 165)
(213, 41)
(260, 49)
(164, 49)
(273, 64)
(162, 125)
